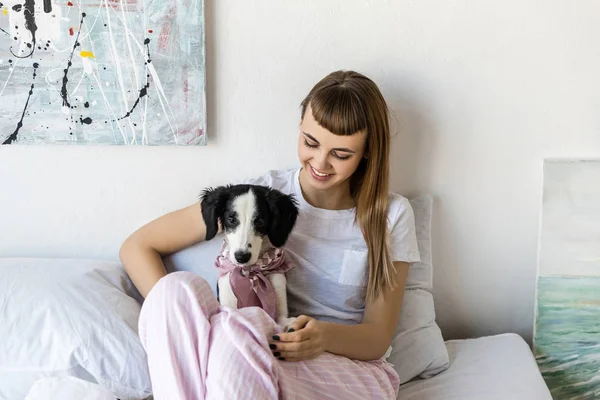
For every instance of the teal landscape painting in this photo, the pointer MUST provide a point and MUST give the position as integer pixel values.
(567, 321)
(568, 336)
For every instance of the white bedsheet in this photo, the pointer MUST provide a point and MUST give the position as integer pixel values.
(499, 367)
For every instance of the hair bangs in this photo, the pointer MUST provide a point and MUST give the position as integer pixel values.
(338, 110)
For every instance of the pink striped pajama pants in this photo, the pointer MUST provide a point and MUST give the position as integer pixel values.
(200, 350)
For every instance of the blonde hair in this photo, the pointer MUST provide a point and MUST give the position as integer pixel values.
(344, 103)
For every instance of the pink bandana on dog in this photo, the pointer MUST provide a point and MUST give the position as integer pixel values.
(249, 282)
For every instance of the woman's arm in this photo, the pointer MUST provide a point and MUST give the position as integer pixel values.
(142, 252)
(366, 341)
(370, 339)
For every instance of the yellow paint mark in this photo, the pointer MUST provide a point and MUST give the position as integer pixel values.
(87, 54)
(5, 11)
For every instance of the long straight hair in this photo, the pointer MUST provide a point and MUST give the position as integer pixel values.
(344, 103)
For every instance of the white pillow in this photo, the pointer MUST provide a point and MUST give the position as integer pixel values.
(69, 317)
(418, 348)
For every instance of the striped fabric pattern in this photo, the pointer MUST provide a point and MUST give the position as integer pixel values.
(198, 349)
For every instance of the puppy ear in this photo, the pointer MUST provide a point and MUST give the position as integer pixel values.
(212, 202)
(284, 212)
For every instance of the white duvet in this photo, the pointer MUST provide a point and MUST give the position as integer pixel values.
(67, 388)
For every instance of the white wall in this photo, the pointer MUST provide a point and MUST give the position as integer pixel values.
(483, 92)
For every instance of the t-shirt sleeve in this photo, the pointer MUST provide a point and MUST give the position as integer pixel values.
(403, 235)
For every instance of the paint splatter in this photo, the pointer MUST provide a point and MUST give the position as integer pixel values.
(89, 54)
(71, 33)
(69, 4)
(5, 11)
(29, 16)
(65, 80)
(143, 90)
(14, 135)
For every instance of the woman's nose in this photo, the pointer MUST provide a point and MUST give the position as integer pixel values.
(321, 161)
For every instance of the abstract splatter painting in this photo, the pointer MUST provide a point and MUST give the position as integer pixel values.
(567, 328)
(123, 72)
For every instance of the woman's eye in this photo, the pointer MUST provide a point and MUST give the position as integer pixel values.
(336, 155)
(311, 145)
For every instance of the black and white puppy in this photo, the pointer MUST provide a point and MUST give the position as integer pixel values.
(256, 220)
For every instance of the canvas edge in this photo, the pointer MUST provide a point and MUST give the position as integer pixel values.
(545, 162)
(541, 193)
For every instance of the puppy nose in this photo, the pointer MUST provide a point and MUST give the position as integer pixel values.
(242, 256)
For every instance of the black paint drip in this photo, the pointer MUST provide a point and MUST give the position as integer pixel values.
(29, 15)
(14, 135)
(47, 6)
(144, 90)
(63, 91)
(17, 7)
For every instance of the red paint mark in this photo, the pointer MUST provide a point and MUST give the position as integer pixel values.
(149, 30)
(186, 86)
(163, 38)
(196, 138)
(71, 31)
(69, 4)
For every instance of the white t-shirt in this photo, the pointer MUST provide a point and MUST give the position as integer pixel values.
(330, 274)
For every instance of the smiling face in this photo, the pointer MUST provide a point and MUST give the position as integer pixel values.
(329, 160)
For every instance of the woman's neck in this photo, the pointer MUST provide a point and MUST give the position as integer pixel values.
(336, 198)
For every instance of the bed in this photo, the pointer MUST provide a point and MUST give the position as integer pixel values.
(499, 367)
(78, 318)
(70, 326)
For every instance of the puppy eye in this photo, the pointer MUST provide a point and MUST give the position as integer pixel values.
(259, 223)
(231, 219)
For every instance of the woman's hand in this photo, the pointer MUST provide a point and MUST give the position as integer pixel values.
(304, 340)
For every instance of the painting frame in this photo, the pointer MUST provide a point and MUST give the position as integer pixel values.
(567, 297)
(103, 72)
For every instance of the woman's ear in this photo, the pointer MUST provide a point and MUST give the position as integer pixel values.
(212, 202)
(284, 212)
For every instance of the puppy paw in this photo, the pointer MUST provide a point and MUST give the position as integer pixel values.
(285, 323)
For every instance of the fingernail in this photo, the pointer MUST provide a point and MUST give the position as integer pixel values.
(291, 330)
(277, 354)
(275, 337)
(281, 358)
(272, 346)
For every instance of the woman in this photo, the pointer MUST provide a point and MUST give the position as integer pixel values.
(351, 248)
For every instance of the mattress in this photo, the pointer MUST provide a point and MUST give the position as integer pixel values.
(500, 367)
